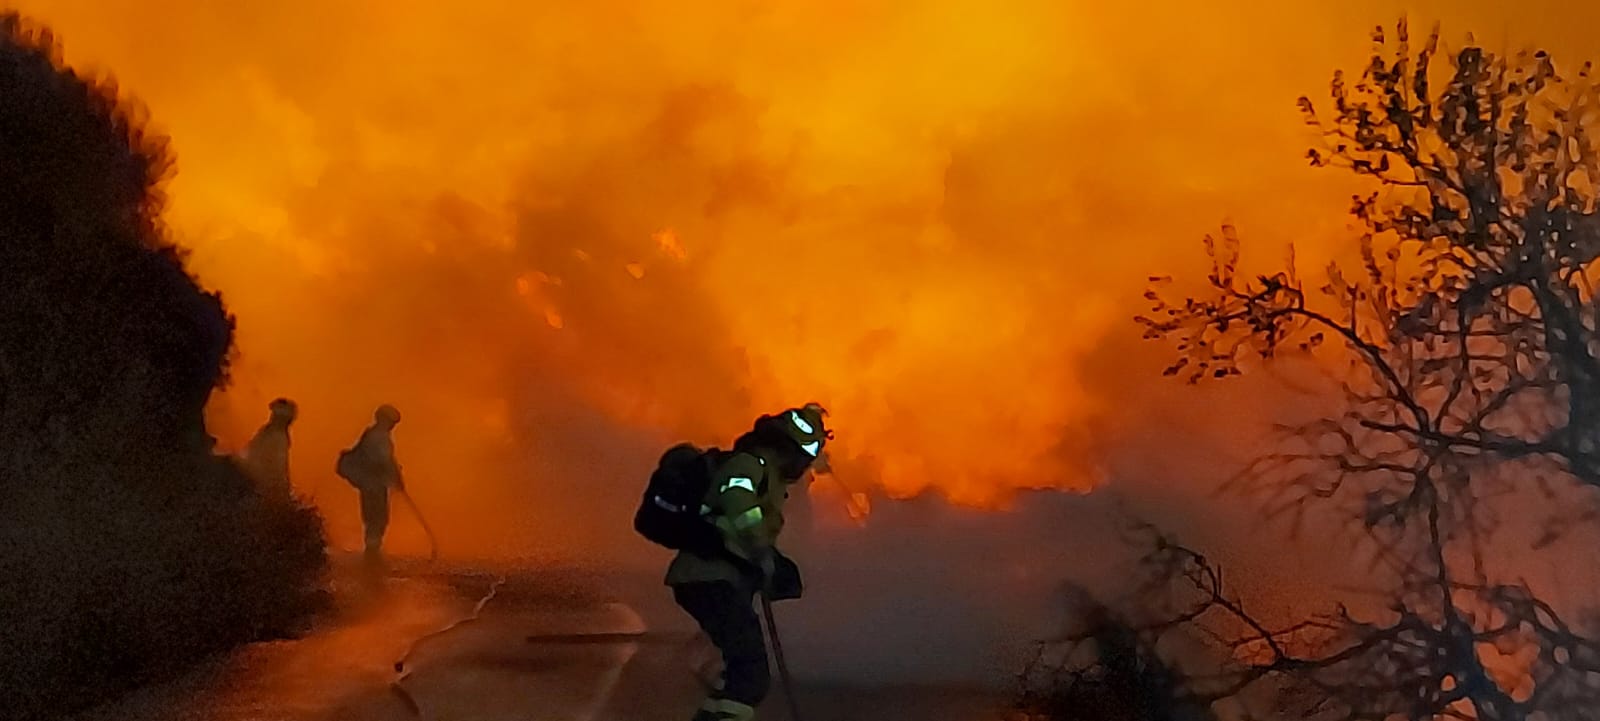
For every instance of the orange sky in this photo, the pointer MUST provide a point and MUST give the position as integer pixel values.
(558, 237)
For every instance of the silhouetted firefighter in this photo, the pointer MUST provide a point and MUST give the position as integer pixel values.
(266, 458)
(722, 511)
(371, 467)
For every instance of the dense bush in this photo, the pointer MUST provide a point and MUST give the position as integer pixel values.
(127, 549)
(1108, 667)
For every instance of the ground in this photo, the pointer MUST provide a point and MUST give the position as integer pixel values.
(449, 643)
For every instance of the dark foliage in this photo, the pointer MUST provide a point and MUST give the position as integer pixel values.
(1114, 663)
(1468, 330)
(1470, 321)
(127, 549)
(1442, 649)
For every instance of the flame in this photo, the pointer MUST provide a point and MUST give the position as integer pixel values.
(665, 218)
(667, 241)
(860, 506)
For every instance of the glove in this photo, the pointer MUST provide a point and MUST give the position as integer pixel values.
(784, 582)
(769, 566)
(760, 569)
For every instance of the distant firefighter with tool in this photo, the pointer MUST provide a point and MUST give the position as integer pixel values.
(371, 467)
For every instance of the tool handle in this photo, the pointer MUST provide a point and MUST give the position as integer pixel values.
(777, 653)
(433, 543)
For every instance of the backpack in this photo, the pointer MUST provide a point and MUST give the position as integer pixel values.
(669, 512)
(349, 466)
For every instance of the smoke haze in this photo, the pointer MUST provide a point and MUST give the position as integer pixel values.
(560, 236)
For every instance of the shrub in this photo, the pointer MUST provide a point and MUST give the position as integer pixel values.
(127, 549)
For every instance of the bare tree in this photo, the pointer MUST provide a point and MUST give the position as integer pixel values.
(1470, 321)
(1468, 357)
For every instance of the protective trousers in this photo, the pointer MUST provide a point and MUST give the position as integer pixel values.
(727, 615)
(375, 516)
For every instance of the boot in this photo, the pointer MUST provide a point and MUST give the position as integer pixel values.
(719, 709)
(708, 711)
(734, 711)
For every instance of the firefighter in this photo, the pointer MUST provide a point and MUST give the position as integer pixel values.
(745, 502)
(266, 458)
(371, 467)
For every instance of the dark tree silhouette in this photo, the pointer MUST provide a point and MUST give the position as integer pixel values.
(1470, 321)
(1469, 362)
(126, 548)
(1444, 650)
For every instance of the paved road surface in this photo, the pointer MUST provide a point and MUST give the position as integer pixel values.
(484, 669)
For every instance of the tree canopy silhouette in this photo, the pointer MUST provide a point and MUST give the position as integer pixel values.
(127, 548)
(98, 303)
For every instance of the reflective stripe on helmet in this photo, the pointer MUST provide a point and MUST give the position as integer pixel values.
(801, 423)
(739, 482)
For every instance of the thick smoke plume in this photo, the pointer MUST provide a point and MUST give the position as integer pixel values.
(561, 236)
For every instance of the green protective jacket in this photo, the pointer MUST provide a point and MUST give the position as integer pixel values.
(745, 501)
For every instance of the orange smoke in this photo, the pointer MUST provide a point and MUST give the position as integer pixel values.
(540, 229)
